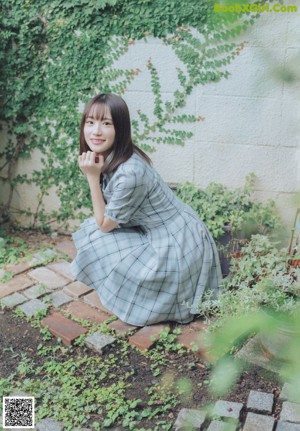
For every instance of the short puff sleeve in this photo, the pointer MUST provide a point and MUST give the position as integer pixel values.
(129, 192)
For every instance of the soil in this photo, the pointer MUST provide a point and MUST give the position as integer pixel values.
(18, 337)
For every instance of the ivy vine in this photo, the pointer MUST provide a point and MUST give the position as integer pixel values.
(56, 54)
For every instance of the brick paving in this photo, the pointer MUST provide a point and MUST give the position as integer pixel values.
(28, 290)
(64, 328)
(18, 283)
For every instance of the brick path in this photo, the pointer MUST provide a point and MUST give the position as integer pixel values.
(35, 287)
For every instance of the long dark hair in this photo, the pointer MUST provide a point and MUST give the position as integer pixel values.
(123, 147)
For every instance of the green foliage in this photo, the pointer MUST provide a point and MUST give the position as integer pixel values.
(12, 249)
(83, 389)
(218, 206)
(227, 367)
(261, 278)
(56, 55)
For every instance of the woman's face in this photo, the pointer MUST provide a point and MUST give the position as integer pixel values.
(99, 131)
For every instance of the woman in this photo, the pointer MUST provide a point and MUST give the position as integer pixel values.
(145, 252)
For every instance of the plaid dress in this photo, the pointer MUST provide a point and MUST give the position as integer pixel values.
(157, 264)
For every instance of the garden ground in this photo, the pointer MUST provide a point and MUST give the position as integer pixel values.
(124, 387)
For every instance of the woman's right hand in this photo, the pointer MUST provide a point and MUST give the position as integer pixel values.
(91, 164)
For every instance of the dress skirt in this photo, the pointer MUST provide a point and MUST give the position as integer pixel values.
(146, 275)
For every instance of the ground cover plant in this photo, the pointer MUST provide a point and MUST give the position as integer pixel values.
(18, 246)
(260, 278)
(234, 210)
(122, 388)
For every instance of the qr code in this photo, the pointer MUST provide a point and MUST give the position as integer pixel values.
(18, 412)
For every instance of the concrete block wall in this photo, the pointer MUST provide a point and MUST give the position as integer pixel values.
(251, 119)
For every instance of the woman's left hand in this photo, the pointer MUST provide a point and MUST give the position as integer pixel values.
(91, 164)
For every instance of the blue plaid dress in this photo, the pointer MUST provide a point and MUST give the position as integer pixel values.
(157, 264)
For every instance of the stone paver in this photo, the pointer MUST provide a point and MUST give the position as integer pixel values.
(48, 278)
(62, 268)
(79, 310)
(49, 425)
(255, 422)
(221, 426)
(189, 419)
(290, 412)
(36, 291)
(146, 337)
(32, 307)
(77, 289)
(94, 300)
(287, 426)
(13, 300)
(63, 328)
(252, 353)
(15, 285)
(121, 327)
(67, 246)
(260, 401)
(42, 257)
(97, 341)
(59, 298)
(287, 394)
(227, 409)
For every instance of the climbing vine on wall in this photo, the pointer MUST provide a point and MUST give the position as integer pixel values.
(56, 54)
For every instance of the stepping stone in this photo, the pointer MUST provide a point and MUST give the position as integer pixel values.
(147, 336)
(63, 328)
(252, 353)
(77, 289)
(13, 300)
(67, 246)
(59, 298)
(227, 409)
(97, 341)
(49, 425)
(189, 419)
(62, 268)
(255, 422)
(32, 307)
(94, 300)
(79, 310)
(290, 412)
(48, 278)
(36, 291)
(260, 401)
(121, 327)
(18, 283)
